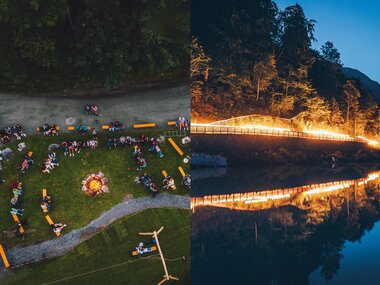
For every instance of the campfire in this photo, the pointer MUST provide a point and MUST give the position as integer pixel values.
(95, 184)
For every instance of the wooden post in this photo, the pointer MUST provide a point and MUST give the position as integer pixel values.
(166, 276)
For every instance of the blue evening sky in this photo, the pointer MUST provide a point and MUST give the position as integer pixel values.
(352, 25)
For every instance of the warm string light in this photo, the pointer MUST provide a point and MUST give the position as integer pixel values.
(321, 134)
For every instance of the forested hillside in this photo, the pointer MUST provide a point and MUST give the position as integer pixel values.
(250, 57)
(59, 44)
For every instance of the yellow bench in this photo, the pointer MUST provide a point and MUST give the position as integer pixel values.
(148, 125)
(30, 153)
(15, 218)
(182, 171)
(105, 127)
(175, 146)
(172, 123)
(50, 221)
(4, 257)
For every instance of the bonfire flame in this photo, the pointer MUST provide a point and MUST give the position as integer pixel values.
(95, 184)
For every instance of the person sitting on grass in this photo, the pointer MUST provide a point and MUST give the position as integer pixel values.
(65, 148)
(16, 201)
(16, 211)
(168, 182)
(57, 228)
(45, 207)
(94, 133)
(17, 192)
(115, 143)
(109, 142)
(122, 141)
(145, 180)
(53, 159)
(19, 232)
(143, 140)
(140, 248)
(186, 180)
(136, 152)
(153, 189)
(141, 163)
(47, 199)
(71, 149)
(94, 110)
(87, 109)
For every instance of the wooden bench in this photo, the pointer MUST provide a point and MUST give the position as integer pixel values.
(172, 123)
(16, 219)
(182, 171)
(4, 257)
(147, 125)
(176, 147)
(50, 221)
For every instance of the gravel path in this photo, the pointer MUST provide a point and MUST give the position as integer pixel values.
(58, 246)
(156, 106)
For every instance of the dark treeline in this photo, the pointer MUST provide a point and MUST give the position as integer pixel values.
(57, 44)
(248, 57)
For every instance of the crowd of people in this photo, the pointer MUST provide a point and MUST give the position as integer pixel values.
(49, 163)
(115, 126)
(8, 133)
(148, 184)
(183, 124)
(72, 147)
(48, 130)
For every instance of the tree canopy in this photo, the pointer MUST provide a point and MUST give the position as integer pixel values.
(81, 43)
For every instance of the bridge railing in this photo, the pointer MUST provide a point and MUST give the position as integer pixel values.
(235, 130)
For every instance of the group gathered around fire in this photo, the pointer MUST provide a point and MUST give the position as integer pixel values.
(142, 148)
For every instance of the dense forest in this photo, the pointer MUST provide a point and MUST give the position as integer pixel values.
(59, 44)
(250, 57)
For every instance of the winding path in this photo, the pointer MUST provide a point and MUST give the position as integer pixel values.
(56, 247)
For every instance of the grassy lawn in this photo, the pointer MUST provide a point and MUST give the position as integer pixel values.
(71, 205)
(111, 248)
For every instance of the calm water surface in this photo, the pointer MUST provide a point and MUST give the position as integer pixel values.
(329, 238)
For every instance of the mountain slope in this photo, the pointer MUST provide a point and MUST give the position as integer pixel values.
(372, 85)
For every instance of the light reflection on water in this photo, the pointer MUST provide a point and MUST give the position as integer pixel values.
(331, 239)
